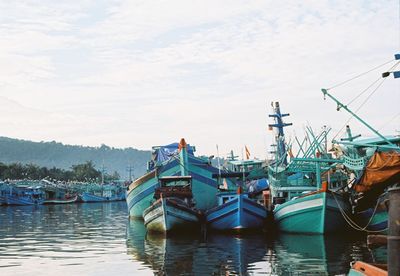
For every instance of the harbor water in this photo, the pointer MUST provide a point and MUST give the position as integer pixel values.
(100, 239)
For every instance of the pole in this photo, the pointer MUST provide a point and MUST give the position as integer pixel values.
(394, 232)
(340, 105)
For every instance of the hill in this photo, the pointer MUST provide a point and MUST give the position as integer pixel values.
(54, 154)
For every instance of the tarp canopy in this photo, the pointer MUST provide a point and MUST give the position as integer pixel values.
(164, 153)
(256, 186)
(382, 169)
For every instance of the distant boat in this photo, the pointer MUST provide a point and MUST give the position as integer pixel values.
(169, 161)
(65, 200)
(24, 195)
(3, 191)
(103, 193)
(56, 193)
(174, 207)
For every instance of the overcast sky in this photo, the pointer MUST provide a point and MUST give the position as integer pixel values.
(143, 73)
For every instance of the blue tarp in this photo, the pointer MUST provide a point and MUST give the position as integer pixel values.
(165, 153)
(258, 185)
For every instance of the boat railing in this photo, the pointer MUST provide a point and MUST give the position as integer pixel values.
(355, 163)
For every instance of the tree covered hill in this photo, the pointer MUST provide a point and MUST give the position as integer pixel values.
(53, 154)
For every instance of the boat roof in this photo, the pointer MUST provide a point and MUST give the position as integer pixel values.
(246, 162)
(378, 140)
(175, 177)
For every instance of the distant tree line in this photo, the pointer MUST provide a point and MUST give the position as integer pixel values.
(85, 172)
(53, 154)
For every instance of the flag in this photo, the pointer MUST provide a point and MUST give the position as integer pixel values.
(247, 152)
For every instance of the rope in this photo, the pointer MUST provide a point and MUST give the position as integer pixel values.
(389, 121)
(353, 224)
(364, 102)
(360, 75)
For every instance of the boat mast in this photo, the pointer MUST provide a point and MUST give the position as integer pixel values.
(340, 105)
(280, 136)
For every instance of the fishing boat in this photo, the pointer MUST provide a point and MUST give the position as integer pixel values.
(237, 210)
(56, 193)
(173, 209)
(24, 195)
(4, 189)
(170, 160)
(65, 200)
(304, 191)
(103, 193)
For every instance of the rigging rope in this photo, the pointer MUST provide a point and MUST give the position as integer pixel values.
(365, 101)
(353, 224)
(360, 75)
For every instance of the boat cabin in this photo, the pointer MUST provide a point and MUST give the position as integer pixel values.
(174, 186)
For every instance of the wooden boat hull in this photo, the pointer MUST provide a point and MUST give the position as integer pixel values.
(165, 215)
(140, 193)
(61, 201)
(238, 214)
(87, 197)
(375, 220)
(16, 200)
(317, 213)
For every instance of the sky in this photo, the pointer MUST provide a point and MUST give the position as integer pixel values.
(144, 73)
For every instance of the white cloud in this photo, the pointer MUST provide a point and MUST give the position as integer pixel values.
(137, 73)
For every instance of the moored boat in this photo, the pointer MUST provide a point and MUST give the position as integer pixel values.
(24, 195)
(169, 161)
(316, 212)
(102, 193)
(173, 209)
(304, 191)
(236, 212)
(66, 200)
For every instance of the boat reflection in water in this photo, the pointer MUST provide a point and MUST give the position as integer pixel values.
(196, 254)
(216, 254)
(315, 254)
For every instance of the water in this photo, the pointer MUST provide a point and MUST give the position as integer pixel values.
(99, 239)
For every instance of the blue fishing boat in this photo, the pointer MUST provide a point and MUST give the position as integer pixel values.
(169, 161)
(173, 209)
(237, 212)
(103, 193)
(4, 189)
(239, 209)
(24, 195)
(304, 191)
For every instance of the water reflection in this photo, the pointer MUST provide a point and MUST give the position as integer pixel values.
(196, 254)
(60, 235)
(216, 254)
(98, 239)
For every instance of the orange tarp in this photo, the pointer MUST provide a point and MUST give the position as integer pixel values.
(382, 169)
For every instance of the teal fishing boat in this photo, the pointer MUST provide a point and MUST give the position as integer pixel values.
(166, 162)
(304, 191)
